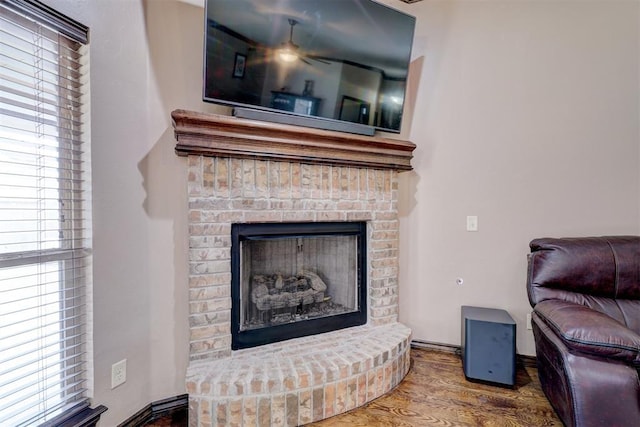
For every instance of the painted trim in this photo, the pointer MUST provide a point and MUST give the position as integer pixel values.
(157, 409)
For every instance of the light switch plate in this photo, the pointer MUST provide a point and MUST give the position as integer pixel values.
(472, 223)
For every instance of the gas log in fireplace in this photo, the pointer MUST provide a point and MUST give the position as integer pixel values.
(290, 280)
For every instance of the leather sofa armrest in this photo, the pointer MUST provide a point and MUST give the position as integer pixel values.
(588, 331)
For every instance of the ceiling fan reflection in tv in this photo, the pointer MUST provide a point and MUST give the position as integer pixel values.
(289, 52)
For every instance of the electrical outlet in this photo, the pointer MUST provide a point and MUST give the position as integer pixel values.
(118, 373)
(529, 321)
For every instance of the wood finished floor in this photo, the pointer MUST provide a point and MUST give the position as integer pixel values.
(436, 393)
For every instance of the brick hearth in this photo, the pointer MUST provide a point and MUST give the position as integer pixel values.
(305, 379)
(299, 381)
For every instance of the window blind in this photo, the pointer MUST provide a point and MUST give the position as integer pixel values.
(45, 229)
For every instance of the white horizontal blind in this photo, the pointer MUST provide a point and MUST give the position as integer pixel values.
(44, 218)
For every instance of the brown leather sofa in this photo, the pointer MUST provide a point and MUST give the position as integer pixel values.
(585, 294)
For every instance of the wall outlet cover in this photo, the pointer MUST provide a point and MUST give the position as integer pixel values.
(118, 373)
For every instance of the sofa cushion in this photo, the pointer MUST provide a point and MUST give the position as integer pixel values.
(599, 266)
(588, 331)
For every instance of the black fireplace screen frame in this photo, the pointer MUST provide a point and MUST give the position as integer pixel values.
(261, 231)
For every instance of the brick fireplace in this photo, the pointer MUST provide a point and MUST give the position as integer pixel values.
(246, 172)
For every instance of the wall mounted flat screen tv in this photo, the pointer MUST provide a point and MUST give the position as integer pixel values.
(342, 61)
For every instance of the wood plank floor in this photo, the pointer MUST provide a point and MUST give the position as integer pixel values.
(436, 393)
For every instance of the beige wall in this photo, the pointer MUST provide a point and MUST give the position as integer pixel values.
(525, 114)
(146, 60)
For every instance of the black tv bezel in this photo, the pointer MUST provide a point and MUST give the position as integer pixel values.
(256, 111)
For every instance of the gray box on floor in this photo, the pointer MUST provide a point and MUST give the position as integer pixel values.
(488, 345)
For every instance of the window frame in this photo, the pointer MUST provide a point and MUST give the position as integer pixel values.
(67, 253)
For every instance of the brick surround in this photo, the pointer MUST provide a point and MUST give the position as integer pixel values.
(305, 379)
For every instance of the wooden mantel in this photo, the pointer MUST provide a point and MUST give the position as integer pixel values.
(218, 135)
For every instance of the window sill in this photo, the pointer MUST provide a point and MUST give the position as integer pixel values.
(78, 416)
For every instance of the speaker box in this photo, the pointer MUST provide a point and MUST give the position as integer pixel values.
(488, 345)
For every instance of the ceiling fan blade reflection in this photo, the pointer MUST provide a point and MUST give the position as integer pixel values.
(314, 58)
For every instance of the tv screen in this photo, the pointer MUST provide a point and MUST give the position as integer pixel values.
(342, 61)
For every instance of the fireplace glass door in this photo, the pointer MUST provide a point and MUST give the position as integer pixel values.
(296, 279)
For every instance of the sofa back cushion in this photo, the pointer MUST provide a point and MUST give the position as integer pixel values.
(584, 269)
(602, 273)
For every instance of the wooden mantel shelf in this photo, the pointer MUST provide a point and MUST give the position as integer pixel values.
(217, 135)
